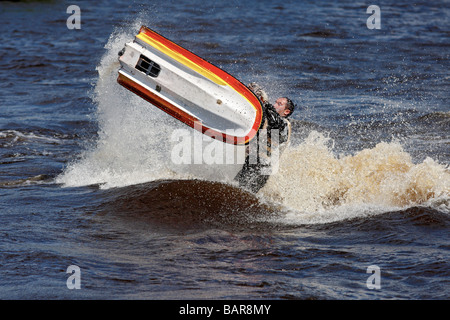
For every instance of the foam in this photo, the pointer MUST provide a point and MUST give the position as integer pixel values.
(313, 181)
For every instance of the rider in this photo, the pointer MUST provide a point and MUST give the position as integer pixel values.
(255, 172)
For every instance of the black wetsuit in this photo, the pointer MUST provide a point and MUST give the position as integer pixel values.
(254, 174)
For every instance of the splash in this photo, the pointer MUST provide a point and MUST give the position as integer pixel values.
(311, 179)
(134, 139)
(127, 149)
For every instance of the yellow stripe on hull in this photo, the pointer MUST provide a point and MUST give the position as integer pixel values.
(181, 59)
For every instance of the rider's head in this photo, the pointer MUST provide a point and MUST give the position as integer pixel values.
(284, 106)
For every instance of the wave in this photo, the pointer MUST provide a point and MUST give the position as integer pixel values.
(439, 117)
(39, 179)
(187, 205)
(311, 180)
(196, 204)
(11, 137)
(312, 183)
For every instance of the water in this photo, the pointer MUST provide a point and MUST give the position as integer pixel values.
(86, 177)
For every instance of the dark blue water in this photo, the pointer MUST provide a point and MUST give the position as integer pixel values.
(85, 178)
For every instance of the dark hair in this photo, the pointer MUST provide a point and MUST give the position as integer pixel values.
(290, 106)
